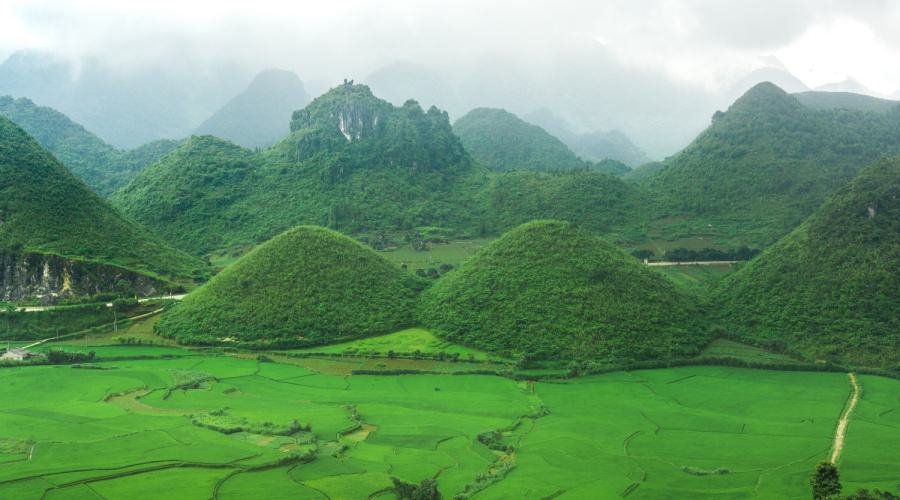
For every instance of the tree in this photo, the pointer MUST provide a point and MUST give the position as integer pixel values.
(825, 481)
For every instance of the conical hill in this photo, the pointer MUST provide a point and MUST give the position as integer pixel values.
(307, 286)
(767, 163)
(502, 141)
(552, 290)
(830, 288)
(45, 209)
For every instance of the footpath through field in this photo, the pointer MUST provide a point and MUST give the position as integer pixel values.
(842, 423)
(109, 304)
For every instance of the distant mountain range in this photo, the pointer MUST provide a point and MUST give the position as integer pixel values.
(588, 89)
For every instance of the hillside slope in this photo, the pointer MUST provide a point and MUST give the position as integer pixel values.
(502, 142)
(101, 166)
(45, 209)
(307, 286)
(352, 162)
(768, 162)
(552, 290)
(830, 288)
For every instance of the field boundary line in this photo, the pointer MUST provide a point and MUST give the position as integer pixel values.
(841, 432)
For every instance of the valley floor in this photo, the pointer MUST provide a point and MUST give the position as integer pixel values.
(136, 427)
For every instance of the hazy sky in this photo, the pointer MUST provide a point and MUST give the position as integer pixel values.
(703, 42)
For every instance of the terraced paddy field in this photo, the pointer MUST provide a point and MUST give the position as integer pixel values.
(224, 427)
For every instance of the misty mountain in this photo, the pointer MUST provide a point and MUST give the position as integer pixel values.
(258, 116)
(101, 166)
(502, 141)
(849, 85)
(125, 106)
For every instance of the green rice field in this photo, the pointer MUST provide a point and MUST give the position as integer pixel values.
(224, 427)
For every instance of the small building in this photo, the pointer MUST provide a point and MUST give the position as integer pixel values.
(19, 354)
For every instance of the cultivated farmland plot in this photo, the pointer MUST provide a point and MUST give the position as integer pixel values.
(146, 425)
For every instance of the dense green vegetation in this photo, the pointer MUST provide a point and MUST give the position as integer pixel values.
(769, 162)
(502, 142)
(643, 171)
(308, 286)
(552, 290)
(46, 209)
(101, 166)
(611, 166)
(846, 100)
(830, 287)
(595, 200)
(352, 162)
(258, 117)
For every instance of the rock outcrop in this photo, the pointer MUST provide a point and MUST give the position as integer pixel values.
(51, 278)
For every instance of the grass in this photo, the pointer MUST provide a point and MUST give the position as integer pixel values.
(453, 253)
(604, 436)
(404, 342)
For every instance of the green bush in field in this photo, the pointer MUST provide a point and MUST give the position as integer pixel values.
(829, 289)
(45, 209)
(224, 422)
(552, 290)
(308, 286)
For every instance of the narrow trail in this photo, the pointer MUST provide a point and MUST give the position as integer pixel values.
(842, 423)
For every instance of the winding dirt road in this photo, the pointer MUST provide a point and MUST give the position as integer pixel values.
(842, 423)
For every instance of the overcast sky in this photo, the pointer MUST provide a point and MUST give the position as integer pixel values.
(707, 43)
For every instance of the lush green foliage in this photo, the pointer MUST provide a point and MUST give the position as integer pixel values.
(46, 209)
(502, 142)
(309, 285)
(825, 480)
(830, 287)
(611, 166)
(769, 162)
(845, 100)
(351, 162)
(643, 171)
(101, 166)
(552, 290)
(594, 200)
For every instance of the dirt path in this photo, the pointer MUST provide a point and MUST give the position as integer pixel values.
(842, 424)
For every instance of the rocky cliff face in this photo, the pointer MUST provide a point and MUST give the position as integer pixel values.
(51, 278)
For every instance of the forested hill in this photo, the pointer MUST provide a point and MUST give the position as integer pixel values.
(848, 100)
(351, 162)
(829, 288)
(44, 208)
(101, 166)
(502, 141)
(307, 286)
(258, 117)
(765, 164)
(553, 290)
